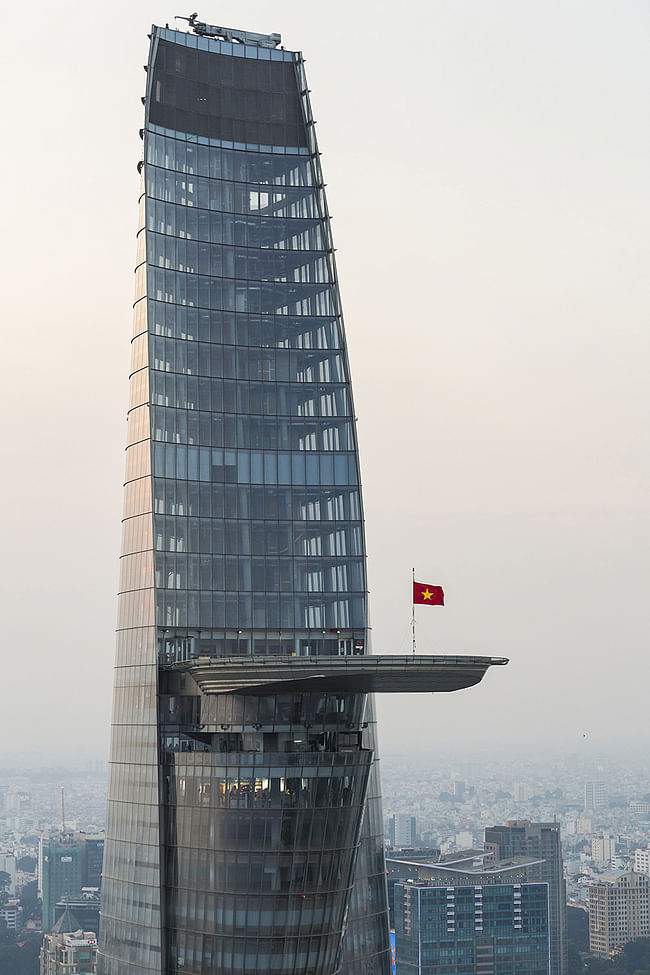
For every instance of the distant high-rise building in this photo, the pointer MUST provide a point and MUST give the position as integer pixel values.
(244, 825)
(603, 848)
(92, 845)
(595, 795)
(520, 792)
(456, 870)
(68, 949)
(459, 789)
(541, 840)
(584, 825)
(640, 806)
(464, 840)
(402, 830)
(477, 929)
(618, 912)
(60, 873)
(65, 868)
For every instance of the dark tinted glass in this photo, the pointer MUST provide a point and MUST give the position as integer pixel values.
(223, 97)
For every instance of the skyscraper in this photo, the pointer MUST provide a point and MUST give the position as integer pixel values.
(402, 830)
(65, 867)
(244, 826)
(595, 795)
(542, 840)
(60, 873)
(482, 928)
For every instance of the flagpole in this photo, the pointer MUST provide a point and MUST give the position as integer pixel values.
(413, 609)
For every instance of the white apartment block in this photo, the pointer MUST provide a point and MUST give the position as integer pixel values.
(642, 861)
(603, 848)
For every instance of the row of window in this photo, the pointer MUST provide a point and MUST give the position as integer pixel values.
(230, 131)
(218, 610)
(228, 294)
(219, 163)
(242, 501)
(239, 396)
(242, 711)
(317, 872)
(198, 139)
(253, 230)
(231, 362)
(260, 575)
(334, 786)
(314, 541)
(256, 914)
(180, 462)
(226, 196)
(311, 540)
(230, 610)
(228, 261)
(197, 953)
(193, 324)
(193, 427)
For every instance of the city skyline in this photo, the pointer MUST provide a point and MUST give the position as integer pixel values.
(528, 506)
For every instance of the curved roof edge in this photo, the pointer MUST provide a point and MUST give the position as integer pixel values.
(415, 673)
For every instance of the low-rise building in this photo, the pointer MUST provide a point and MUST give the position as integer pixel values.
(12, 914)
(69, 952)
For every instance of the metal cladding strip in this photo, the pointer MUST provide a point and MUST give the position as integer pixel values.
(385, 674)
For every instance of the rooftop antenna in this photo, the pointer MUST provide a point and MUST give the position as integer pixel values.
(63, 813)
(229, 34)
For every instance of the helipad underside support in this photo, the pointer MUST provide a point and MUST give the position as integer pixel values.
(363, 675)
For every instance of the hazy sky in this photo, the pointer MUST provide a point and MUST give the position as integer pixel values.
(487, 171)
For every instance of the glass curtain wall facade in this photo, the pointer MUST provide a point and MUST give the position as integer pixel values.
(473, 930)
(543, 840)
(244, 831)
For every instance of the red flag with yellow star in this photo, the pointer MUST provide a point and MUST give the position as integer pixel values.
(424, 594)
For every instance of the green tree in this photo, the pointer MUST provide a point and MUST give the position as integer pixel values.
(578, 927)
(5, 883)
(575, 961)
(26, 863)
(21, 957)
(636, 956)
(30, 903)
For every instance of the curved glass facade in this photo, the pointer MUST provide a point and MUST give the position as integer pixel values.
(244, 831)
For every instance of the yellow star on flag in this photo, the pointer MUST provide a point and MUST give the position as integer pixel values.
(427, 595)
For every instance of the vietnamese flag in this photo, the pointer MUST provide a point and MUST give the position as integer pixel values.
(424, 594)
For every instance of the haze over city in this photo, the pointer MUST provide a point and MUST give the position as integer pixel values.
(486, 171)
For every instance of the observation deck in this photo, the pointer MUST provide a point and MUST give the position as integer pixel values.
(372, 674)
